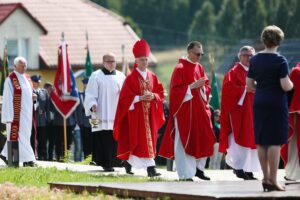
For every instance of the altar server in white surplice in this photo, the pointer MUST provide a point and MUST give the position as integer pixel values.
(101, 99)
(18, 84)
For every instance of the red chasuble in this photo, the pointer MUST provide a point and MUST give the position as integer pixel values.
(234, 118)
(136, 130)
(294, 115)
(193, 116)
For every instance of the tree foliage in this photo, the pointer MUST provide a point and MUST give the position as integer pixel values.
(164, 22)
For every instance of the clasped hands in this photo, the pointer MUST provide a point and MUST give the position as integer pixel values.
(147, 96)
(197, 84)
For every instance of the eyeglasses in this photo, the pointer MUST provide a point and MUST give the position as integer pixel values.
(247, 55)
(110, 61)
(198, 54)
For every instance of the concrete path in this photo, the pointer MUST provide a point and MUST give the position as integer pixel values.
(215, 175)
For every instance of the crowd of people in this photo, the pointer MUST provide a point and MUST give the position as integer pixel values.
(258, 120)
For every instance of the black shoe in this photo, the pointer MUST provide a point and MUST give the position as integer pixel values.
(250, 175)
(288, 179)
(93, 163)
(108, 169)
(4, 159)
(127, 167)
(152, 171)
(186, 179)
(29, 164)
(200, 174)
(241, 174)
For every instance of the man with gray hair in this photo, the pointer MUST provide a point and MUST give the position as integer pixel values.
(237, 131)
(17, 111)
(101, 99)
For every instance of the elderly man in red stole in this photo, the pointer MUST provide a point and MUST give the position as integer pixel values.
(17, 111)
(139, 114)
(189, 137)
(290, 152)
(237, 130)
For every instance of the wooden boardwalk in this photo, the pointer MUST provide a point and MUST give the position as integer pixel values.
(185, 190)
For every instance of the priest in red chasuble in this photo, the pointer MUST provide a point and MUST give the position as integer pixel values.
(189, 137)
(139, 114)
(237, 130)
(290, 152)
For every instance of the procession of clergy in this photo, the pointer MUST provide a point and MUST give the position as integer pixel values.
(130, 112)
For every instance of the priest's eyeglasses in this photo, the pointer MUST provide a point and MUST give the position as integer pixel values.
(198, 54)
(110, 61)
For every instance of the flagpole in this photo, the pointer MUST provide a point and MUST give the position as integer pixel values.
(65, 137)
(123, 59)
(211, 63)
(64, 90)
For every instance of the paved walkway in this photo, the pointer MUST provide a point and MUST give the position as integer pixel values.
(215, 175)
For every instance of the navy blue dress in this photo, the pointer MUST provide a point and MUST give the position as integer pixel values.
(270, 106)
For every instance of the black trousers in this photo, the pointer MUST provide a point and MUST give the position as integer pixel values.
(86, 140)
(42, 143)
(50, 140)
(105, 149)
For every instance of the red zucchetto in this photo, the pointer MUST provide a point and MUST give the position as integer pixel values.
(141, 49)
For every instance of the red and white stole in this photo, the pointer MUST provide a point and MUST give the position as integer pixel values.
(17, 97)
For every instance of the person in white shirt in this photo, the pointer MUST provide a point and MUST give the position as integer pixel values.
(101, 98)
(17, 110)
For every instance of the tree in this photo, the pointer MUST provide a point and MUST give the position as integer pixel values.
(284, 15)
(230, 12)
(294, 26)
(204, 23)
(253, 18)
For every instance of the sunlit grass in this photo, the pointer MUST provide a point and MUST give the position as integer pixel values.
(27, 176)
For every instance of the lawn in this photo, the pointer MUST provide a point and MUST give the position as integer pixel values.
(32, 183)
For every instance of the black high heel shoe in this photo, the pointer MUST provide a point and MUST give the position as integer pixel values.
(270, 187)
(277, 187)
(267, 187)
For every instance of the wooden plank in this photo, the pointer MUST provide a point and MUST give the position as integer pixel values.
(184, 190)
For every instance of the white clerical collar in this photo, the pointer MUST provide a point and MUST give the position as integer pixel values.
(187, 59)
(244, 66)
(18, 73)
(142, 73)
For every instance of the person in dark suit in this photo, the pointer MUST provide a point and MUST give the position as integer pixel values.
(83, 122)
(40, 112)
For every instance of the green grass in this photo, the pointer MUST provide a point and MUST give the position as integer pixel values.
(39, 177)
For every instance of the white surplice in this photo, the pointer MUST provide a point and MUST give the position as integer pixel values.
(25, 150)
(103, 91)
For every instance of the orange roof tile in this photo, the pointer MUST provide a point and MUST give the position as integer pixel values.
(107, 31)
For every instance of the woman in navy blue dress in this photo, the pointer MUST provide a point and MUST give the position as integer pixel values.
(268, 74)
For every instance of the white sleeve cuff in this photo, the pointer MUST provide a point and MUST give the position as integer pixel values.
(241, 101)
(135, 100)
(188, 95)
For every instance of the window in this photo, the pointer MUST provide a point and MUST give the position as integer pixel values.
(16, 48)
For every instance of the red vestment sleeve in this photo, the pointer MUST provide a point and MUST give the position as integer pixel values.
(294, 116)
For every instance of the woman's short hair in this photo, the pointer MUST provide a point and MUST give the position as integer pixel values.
(272, 36)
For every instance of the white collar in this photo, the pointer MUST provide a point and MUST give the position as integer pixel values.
(142, 73)
(187, 59)
(18, 73)
(245, 67)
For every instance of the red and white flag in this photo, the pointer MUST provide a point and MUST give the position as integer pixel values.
(65, 94)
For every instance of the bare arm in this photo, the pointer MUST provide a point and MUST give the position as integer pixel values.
(286, 83)
(250, 83)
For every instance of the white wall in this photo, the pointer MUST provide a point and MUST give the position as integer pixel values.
(20, 26)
